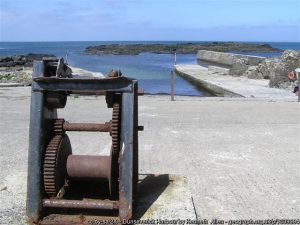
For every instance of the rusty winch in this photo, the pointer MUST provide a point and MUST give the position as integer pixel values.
(80, 189)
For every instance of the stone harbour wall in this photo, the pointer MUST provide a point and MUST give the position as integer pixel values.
(253, 67)
(236, 63)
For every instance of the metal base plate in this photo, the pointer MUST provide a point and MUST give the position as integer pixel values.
(58, 219)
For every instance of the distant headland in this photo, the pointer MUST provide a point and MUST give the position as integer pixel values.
(182, 48)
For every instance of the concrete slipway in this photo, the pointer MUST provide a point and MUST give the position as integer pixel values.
(240, 155)
(230, 86)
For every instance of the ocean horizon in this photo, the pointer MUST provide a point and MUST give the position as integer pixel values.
(150, 69)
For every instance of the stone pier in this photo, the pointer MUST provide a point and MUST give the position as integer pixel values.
(228, 63)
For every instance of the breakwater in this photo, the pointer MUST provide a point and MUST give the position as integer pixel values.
(227, 63)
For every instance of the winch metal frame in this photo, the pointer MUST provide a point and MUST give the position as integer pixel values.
(40, 131)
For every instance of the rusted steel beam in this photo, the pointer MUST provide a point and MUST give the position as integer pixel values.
(91, 127)
(80, 204)
(118, 84)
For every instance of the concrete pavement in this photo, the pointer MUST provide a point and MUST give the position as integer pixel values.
(240, 156)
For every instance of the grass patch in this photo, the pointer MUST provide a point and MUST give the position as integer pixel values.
(7, 76)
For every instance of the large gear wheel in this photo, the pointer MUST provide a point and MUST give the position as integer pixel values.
(56, 155)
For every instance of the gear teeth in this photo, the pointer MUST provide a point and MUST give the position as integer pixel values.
(52, 156)
(115, 128)
(58, 126)
(115, 148)
(49, 165)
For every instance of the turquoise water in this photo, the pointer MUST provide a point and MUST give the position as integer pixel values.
(151, 70)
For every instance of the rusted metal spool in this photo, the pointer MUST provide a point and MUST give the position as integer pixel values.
(88, 167)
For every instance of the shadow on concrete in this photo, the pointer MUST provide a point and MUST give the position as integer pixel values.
(150, 187)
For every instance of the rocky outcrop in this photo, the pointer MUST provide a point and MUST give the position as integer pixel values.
(21, 60)
(239, 67)
(252, 73)
(18, 68)
(262, 70)
(276, 69)
(185, 48)
(289, 61)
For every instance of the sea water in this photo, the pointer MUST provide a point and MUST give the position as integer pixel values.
(151, 70)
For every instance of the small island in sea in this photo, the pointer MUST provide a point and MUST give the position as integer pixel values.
(180, 48)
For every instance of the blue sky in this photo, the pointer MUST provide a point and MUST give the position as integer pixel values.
(113, 20)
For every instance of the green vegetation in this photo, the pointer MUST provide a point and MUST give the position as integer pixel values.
(7, 76)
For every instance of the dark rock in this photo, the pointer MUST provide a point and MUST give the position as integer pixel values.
(266, 46)
(186, 48)
(16, 58)
(21, 60)
(31, 56)
(5, 59)
(3, 64)
(11, 63)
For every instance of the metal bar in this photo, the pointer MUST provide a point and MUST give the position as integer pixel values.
(38, 133)
(172, 85)
(91, 127)
(126, 156)
(135, 173)
(120, 84)
(80, 204)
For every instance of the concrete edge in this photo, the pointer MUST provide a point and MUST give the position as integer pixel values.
(207, 86)
(14, 85)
